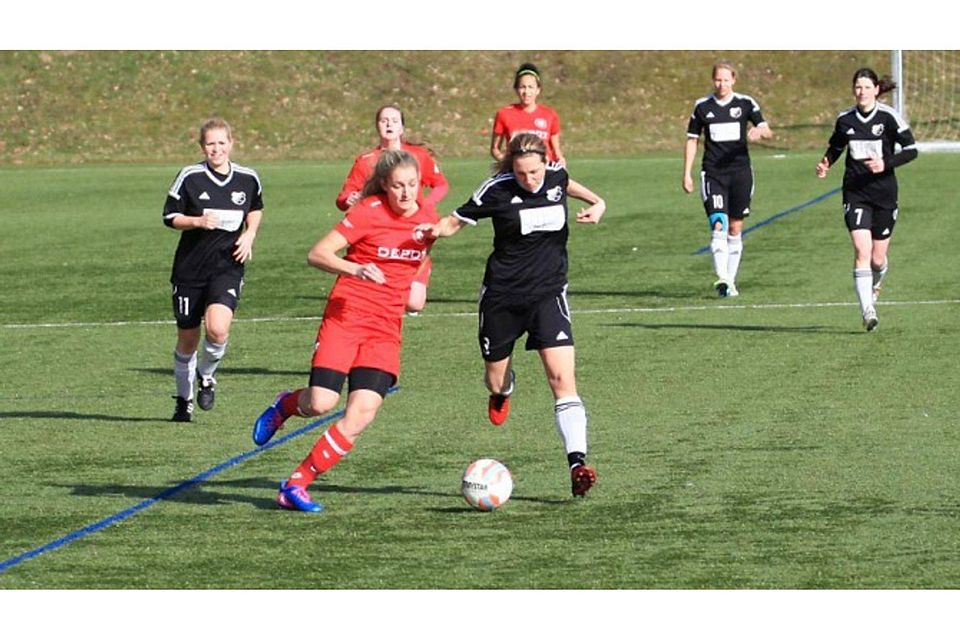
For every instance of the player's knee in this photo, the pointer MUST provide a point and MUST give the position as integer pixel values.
(719, 221)
(317, 403)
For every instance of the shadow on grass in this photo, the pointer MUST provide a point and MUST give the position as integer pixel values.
(734, 327)
(213, 493)
(73, 415)
(228, 371)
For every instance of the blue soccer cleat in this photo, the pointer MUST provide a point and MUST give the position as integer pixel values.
(270, 421)
(296, 498)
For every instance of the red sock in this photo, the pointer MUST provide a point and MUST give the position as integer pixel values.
(326, 453)
(290, 406)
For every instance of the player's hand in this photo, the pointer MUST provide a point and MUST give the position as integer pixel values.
(426, 230)
(244, 247)
(370, 272)
(876, 165)
(822, 168)
(353, 198)
(592, 214)
(209, 220)
(688, 183)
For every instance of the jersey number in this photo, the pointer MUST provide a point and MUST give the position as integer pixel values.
(717, 201)
(183, 305)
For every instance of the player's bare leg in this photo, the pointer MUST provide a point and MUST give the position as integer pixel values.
(500, 380)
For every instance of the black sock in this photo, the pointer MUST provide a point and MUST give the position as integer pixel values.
(576, 458)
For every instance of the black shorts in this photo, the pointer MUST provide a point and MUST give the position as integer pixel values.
(190, 302)
(360, 378)
(879, 220)
(728, 192)
(503, 319)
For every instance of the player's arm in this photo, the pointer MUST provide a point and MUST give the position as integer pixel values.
(324, 256)
(908, 149)
(689, 155)
(838, 142)
(244, 244)
(446, 227)
(555, 145)
(597, 208)
(760, 131)
(175, 217)
(496, 144)
(350, 191)
(435, 181)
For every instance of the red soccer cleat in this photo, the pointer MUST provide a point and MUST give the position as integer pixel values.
(582, 478)
(498, 408)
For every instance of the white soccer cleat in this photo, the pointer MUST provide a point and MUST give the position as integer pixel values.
(732, 291)
(870, 320)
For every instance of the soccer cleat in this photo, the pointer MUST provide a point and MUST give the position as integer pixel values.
(582, 478)
(722, 287)
(270, 421)
(870, 320)
(184, 410)
(876, 293)
(296, 498)
(498, 407)
(732, 291)
(206, 394)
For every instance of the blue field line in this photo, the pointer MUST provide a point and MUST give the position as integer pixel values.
(192, 482)
(777, 216)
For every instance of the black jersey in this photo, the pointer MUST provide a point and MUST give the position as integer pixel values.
(530, 232)
(204, 253)
(725, 130)
(874, 135)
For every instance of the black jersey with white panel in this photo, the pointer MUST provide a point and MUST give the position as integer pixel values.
(204, 253)
(530, 232)
(724, 125)
(872, 135)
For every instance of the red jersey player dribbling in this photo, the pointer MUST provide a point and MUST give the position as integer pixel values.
(360, 335)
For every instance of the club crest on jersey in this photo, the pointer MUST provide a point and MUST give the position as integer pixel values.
(238, 197)
(736, 112)
(540, 123)
(554, 195)
(877, 129)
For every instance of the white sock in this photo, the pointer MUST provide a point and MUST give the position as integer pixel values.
(210, 358)
(572, 423)
(863, 284)
(735, 248)
(185, 373)
(718, 246)
(878, 276)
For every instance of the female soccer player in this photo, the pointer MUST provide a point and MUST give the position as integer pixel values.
(390, 127)
(726, 179)
(526, 116)
(525, 284)
(217, 205)
(869, 131)
(359, 337)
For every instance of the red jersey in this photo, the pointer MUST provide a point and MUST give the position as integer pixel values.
(430, 174)
(542, 122)
(376, 234)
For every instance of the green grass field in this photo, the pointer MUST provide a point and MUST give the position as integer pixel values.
(762, 442)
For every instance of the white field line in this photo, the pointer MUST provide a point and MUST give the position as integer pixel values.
(472, 314)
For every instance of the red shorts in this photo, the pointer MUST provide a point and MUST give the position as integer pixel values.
(373, 343)
(423, 273)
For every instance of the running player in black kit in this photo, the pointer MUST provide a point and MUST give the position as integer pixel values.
(217, 205)
(870, 132)
(525, 284)
(726, 179)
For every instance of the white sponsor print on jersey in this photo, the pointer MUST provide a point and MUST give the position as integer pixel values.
(393, 253)
(725, 131)
(550, 218)
(238, 197)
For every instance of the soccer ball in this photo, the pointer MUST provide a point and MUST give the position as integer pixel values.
(487, 484)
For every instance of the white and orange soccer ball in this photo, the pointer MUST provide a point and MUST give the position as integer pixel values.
(487, 484)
